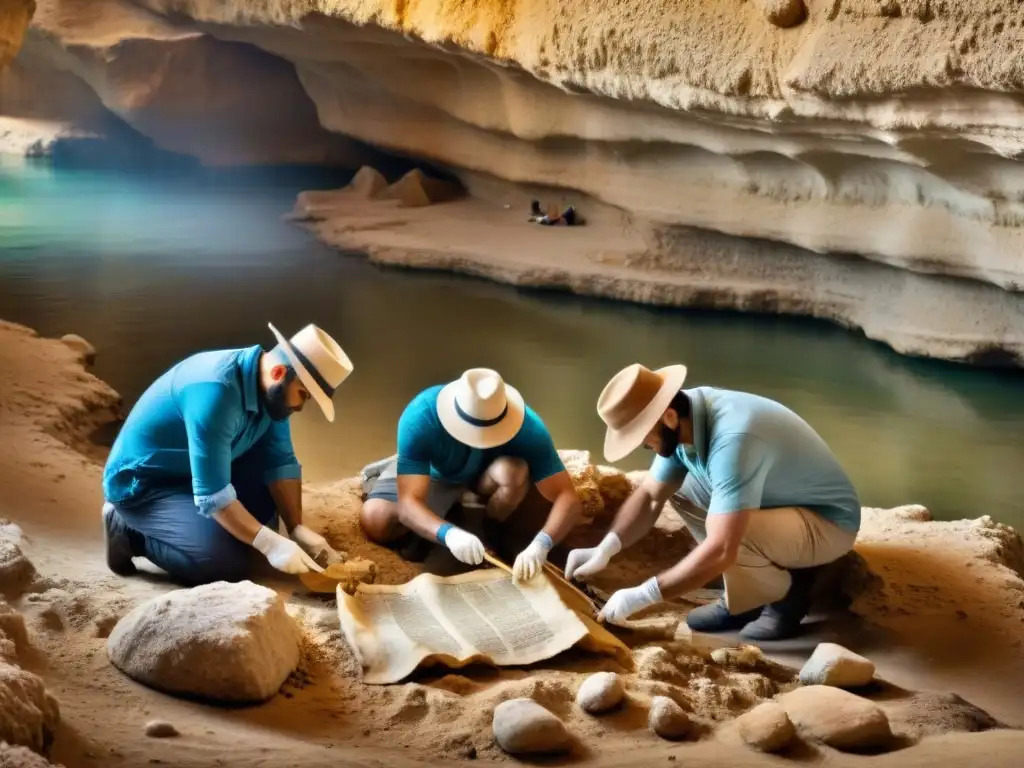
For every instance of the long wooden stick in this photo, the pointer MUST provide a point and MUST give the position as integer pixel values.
(496, 562)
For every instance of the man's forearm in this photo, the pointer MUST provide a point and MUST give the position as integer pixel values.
(635, 517)
(565, 513)
(288, 499)
(705, 562)
(237, 521)
(415, 515)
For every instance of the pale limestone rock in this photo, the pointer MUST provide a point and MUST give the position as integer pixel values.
(667, 719)
(20, 757)
(766, 727)
(367, 183)
(600, 692)
(28, 713)
(86, 352)
(783, 13)
(16, 570)
(837, 718)
(522, 726)
(831, 664)
(221, 641)
(160, 729)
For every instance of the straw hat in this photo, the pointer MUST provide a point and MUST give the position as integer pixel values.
(480, 410)
(318, 361)
(631, 404)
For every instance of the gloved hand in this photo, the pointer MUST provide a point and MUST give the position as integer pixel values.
(587, 562)
(625, 602)
(283, 553)
(311, 541)
(531, 560)
(466, 547)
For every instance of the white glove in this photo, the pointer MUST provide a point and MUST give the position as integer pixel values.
(311, 541)
(282, 553)
(531, 560)
(587, 562)
(464, 545)
(626, 602)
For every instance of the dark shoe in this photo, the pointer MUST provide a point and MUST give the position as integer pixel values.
(119, 546)
(781, 620)
(715, 617)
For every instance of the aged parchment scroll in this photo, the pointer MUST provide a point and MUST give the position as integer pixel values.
(481, 616)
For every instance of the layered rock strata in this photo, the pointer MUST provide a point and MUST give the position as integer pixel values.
(886, 132)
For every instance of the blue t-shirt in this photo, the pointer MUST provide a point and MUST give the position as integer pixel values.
(751, 452)
(190, 425)
(426, 448)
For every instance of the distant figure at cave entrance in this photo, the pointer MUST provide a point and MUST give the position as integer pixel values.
(765, 498)
(203, 466)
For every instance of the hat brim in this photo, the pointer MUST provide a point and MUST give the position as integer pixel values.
(307, 380)
(619, 443)
(481, 437)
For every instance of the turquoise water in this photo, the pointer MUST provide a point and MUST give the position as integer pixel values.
(153, 267)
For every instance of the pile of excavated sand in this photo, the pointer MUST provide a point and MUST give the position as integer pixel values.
(324, 715)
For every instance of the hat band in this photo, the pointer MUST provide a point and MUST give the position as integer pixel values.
(317, 376)
(480, 422)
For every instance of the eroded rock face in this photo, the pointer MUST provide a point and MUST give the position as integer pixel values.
(14, 19)
(220, 641)
(879, 145)
(28, 713)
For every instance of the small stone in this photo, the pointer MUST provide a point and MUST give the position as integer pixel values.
(766, 727)
(831, 664)
(837, 718)
(160, 729)
(667, 719)
(522, 726)
(86, 351)
(600, 692)
(20, 757)
(783, 13)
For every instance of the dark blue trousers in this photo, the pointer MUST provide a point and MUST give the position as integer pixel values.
(167, 529)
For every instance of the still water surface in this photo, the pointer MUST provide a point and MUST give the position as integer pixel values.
(151, 268)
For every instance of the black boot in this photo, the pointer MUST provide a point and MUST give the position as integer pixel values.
(781, 620)
(715, 617)
(119, 545)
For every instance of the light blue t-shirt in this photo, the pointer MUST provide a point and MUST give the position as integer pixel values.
(751, 452)
(426, 448)
(190, 425)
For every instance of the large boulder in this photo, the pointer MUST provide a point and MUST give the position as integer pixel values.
(220, 641)
(837, 718)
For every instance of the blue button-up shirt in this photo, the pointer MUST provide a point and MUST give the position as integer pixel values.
(190, 425)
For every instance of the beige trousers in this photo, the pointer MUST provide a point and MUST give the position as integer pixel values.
(775, 541)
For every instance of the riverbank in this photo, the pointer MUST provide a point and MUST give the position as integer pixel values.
(623, 256)
(927, 584)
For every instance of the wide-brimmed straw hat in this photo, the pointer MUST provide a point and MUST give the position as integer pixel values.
(320, 363)
(480, 410)
(631, 404)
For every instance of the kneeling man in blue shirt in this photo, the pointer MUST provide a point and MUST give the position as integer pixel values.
(204, 463)
(760, 491)
(473, 434)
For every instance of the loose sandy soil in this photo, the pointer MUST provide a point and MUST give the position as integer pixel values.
(938, 607)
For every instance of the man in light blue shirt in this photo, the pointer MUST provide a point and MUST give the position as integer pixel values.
(761, 492)
(204, 462)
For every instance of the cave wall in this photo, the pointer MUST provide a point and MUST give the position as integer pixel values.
(881, 130)
(14, 19)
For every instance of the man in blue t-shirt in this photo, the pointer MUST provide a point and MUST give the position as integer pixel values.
(473, 434)
(203, 465)
(761, 492)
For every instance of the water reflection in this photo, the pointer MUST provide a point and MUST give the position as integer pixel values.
(150, 269)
